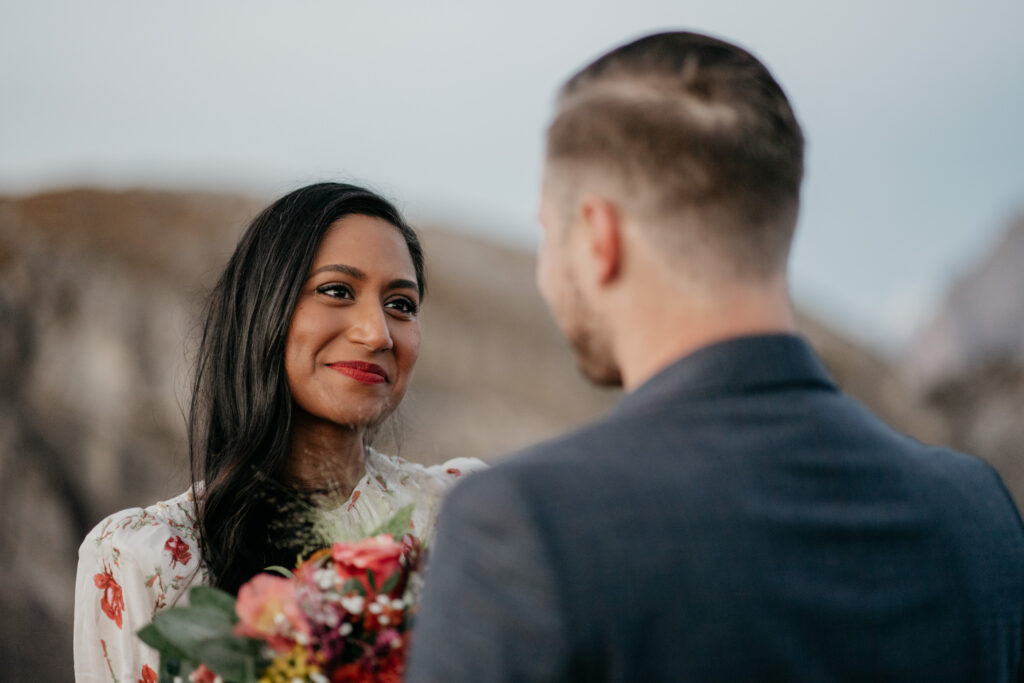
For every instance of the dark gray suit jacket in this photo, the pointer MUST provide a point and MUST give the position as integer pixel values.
(734, 519)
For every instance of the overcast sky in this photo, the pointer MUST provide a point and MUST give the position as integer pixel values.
(912, 111)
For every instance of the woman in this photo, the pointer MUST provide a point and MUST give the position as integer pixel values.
(310, 341)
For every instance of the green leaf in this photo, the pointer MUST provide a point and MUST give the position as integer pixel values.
(204, 633)
(208, 596)
(151, 636)
(397, 525)
(283, 571)
(371, 579)
(390, 584)
(231, 658)
(186, 627)
(353, 586)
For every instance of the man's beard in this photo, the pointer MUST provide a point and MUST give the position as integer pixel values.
(592, 347)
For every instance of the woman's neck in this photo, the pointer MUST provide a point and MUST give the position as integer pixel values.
(325, 457)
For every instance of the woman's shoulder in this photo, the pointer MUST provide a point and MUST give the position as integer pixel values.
(159, 534)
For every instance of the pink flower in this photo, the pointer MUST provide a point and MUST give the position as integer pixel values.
(380, 554)
(260, 601)
(203, 675)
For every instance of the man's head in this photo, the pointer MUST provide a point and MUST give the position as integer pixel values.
(677, 148)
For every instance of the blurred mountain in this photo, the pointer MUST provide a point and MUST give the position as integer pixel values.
(967, 365)
(100, 294)
(981, 319)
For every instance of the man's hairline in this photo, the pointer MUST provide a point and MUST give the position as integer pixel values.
(556, 170)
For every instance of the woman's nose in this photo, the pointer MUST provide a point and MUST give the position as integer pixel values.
(370, 328)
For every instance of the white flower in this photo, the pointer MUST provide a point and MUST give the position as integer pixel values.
(397, 605)
(318, 678)
(384, 621)
(383, 599)
(375, 608)
(353, 604)
(345, 629)
(324, 578)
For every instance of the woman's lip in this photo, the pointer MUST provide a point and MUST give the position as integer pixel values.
(367, 373)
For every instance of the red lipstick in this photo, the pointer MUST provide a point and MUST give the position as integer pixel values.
(367, 373)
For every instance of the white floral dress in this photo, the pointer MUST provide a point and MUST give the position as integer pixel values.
(141, 560)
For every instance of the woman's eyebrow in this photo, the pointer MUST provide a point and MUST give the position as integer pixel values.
(339, 268)
(352, 271)
(403, 284)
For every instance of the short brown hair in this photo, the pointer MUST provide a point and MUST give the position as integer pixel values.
(689, 123)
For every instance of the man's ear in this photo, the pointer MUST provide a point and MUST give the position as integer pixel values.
(603, 227)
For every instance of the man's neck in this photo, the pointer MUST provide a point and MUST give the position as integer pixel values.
(649, 339)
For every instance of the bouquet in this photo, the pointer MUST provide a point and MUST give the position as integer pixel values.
(344, 614)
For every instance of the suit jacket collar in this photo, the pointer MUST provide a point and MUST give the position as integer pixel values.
(734, 366)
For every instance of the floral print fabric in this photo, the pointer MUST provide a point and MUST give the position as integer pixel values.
(138, 561)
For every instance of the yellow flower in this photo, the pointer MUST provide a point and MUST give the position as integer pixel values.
(290, 666)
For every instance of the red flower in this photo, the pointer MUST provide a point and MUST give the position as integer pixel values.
(384, 662)
(112, 602)
(148, 675)
(202, 675)
(179, 550)
(381, 554)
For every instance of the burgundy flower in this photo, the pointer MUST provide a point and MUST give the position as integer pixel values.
(179, 550)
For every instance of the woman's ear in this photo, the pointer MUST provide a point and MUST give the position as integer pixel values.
(602, 225)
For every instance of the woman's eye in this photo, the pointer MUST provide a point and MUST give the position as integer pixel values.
(404, 306)
(335, 291)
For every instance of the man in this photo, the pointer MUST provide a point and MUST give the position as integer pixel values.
(736, 517)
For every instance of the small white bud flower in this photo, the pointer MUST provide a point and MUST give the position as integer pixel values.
(353, 604)
(346, 629)
(324, 579)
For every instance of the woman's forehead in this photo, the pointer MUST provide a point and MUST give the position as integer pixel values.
(365, 242)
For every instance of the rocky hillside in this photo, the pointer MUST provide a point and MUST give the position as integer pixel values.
(981, 319)
(99, 295)
(967, 366)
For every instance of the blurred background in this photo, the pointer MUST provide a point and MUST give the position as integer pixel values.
(137, 140)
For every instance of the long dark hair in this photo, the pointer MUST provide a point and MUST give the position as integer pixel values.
(241, 411)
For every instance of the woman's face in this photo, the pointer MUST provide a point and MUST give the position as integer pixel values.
(355, 335)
